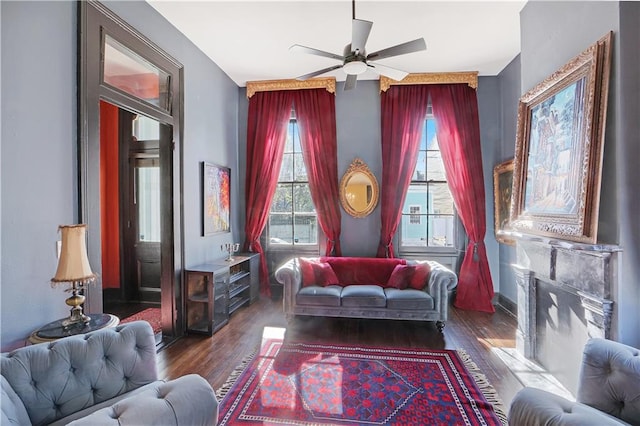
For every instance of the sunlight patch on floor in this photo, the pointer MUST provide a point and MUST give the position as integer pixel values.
(530, 373)
(273, 333)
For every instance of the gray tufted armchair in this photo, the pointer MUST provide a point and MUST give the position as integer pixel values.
(608, 392)
(107, 377)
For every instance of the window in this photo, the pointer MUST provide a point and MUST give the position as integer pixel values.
(428, 214)
(292, 218)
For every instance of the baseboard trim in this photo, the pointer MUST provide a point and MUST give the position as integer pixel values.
(507, 305)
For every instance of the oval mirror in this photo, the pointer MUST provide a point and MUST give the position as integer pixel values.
(358, 189)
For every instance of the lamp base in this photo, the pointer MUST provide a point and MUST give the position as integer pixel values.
(75, 301)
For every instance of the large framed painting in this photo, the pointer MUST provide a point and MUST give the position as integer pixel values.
(559, 148)
(216, 199)
(502, 187)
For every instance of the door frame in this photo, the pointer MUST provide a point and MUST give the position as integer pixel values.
(94, 21)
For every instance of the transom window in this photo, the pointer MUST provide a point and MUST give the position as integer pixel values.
(292, 218)
(428, 214)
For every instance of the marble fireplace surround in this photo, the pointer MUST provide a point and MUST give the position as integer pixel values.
(588, 272)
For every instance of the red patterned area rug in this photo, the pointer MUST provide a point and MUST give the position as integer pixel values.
(151, 315)
(314, 384)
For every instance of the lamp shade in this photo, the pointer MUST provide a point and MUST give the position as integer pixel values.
(73, 265)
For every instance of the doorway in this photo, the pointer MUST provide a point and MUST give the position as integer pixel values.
(131, 193)
(122, 69)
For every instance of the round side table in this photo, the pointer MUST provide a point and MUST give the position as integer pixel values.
(54, 330)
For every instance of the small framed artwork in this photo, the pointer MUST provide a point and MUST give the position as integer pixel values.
(216, 199)
(502, 187)
(559, 147)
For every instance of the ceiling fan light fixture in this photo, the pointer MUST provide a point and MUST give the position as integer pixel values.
(355, 67)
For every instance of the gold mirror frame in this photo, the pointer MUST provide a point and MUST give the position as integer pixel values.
(358, 166)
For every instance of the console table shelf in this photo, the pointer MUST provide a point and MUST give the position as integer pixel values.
(216, 289)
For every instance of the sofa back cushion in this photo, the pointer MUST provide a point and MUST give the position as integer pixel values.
(56, 379)
(316, 272)
(362, 270)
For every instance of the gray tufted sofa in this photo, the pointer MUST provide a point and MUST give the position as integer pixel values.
(608, 392)
(362, 292)
(107, 377)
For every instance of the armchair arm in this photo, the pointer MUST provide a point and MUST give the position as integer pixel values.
(441, 281)
(610, 379)
(290, 277)
(188, 400)
(535, 407)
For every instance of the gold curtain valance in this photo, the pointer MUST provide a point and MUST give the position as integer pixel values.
(470, 78)
(328, 83)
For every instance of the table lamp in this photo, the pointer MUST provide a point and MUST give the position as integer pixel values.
(73, 268)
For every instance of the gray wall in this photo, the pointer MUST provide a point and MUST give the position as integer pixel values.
(38, 153)
(551, 34)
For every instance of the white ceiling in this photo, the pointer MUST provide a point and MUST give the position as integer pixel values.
(250, 40)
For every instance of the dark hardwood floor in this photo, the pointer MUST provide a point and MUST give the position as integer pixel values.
(214, 358)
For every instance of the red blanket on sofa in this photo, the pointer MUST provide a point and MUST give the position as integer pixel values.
(363, 270)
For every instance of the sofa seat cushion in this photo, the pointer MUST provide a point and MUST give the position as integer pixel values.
(319, 296)
(363, 296)
(408, 299)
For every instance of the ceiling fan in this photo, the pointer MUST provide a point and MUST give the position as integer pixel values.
(355, 59)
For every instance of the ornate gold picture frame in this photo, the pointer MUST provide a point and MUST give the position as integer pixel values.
(502, 191)
(559, 147)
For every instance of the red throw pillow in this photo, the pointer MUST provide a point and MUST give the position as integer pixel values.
(315, 272)
(420, 276)
(400, 277)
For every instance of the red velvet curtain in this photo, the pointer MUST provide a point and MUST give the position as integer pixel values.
(455, 108)
(403, 110)
(269, 114)
(316, 116)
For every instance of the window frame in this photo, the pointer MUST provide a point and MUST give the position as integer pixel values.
(432, 251)
(307, 248)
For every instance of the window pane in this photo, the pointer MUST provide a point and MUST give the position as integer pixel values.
(133, 74)
(300, 171)
(420, 172)
(417, 196)
(430, 132)
(441, 199)
(286, 170)
(297, 147)
(441, 231)
(280, 229)
(282, 201)
(435, 166)
(288, 145)
(302, 202)
(148, 199)
(414, 234)
(146, 129)
(305, 229)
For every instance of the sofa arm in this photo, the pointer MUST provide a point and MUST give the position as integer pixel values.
(610, 379)
(290, 277)
(188, 400)
(535, 407)
(441, 281)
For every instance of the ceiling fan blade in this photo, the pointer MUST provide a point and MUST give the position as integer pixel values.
(296, 48)
(319, 72)
(400, 49)
(351, 81)
(359, 34)
(392, 73)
